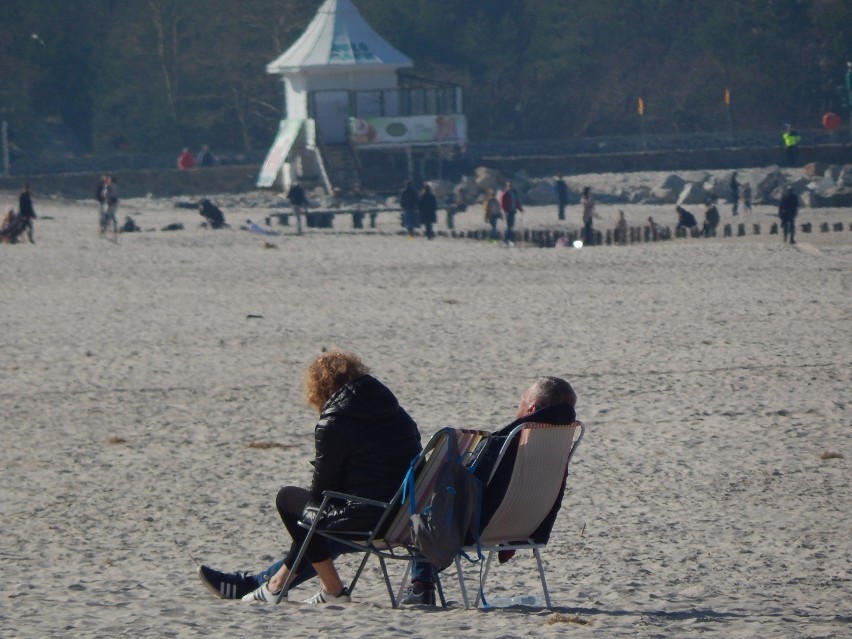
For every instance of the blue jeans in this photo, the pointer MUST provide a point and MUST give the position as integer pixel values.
(494, 234)
(510, 227)
(409, 218)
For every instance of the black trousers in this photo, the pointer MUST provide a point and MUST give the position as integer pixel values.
(789, 228)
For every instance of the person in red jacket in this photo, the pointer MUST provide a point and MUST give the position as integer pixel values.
(186, 160)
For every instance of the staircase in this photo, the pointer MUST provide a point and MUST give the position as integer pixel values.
(341, 167)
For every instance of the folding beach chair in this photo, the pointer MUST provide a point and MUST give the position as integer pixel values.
(390, 538)
(536, 477)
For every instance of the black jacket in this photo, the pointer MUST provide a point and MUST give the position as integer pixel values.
(788, 208)
(428, 206)
(365, 442)
(408, 199)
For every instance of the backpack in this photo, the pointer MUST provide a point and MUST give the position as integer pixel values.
(440, 531)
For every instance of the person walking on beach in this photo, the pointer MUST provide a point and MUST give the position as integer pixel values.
(735, 192)
(788, 209)
(109, 194)
(746, 197)
(587, 201)
(711, 219)
(492, 214)
(99, 196)
(26, 213)
(510, 203)
(427, 205)
(186, 160)
(561, 195)
(296, 196)
(408, 203)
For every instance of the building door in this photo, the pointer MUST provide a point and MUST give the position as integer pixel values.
(331, 114)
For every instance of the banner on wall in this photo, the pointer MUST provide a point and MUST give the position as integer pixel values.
(415, 129)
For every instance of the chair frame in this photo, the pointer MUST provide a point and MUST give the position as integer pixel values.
(425, 467)
(527, 544)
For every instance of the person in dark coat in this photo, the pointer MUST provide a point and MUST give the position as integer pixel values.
(711, 220)
(212, 213)
(561, 189)
(299, 201)
(26, 213)
(685, 219)
(427, 205)
(408, 202)
(788, 209)
(364, 442)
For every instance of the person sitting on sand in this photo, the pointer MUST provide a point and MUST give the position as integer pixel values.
(365, 442)
(549, 400)
(212, 214)
(685, 219)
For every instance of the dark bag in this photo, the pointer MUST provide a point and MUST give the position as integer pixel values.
(440, 531)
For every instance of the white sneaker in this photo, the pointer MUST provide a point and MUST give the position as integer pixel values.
(264, 595)
(322, 597)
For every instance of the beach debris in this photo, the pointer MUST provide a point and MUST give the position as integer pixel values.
(563, 618)
(269, 245)
(830, 455)
(251, 316)
(115, 439)
(174, 226)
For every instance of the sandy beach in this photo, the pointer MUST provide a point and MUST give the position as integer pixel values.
(711, 495)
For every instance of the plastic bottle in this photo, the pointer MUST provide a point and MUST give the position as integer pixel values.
(517, 600)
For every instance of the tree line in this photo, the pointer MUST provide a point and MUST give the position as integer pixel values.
(154, 75)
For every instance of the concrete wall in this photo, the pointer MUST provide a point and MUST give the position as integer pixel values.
(139, 183)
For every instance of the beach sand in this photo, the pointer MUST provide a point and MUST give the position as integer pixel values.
(711, 495)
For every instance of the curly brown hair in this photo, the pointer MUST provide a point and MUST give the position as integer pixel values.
(328, 373)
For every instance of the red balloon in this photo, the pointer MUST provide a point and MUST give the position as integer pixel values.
(831, 121)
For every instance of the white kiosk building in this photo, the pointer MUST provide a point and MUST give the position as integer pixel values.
(345, 96)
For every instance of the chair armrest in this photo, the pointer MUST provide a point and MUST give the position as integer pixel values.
(355, 498)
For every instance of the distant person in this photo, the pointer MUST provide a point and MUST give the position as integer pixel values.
(206, 159)
(561, 195)
(621, 229)
(212, 214)
(299, 201)
(26, 213)
(746, 197)
(408, 203)
(791, 140)
(427, 205)
(735, 192)
(711, 219)
(99, 196)
(587, 201)
(129, 226)
(109, 193)
(492, 214)
(458, 205)
(510, 204)
(186, 160)
(254, 227)
(655, 231)
(788, 209)
(685, 219)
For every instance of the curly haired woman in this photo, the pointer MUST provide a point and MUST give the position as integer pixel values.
(364, 444)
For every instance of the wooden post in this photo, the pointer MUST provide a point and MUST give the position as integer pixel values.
(756, 229)
(741, 230)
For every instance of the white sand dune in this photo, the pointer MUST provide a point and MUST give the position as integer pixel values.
(712, 376)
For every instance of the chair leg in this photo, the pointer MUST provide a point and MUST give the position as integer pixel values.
(386, 577)
(404, 581)
(541, 574)
(462, 587)
(440, 589)
(483, 575)
(358, 572)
